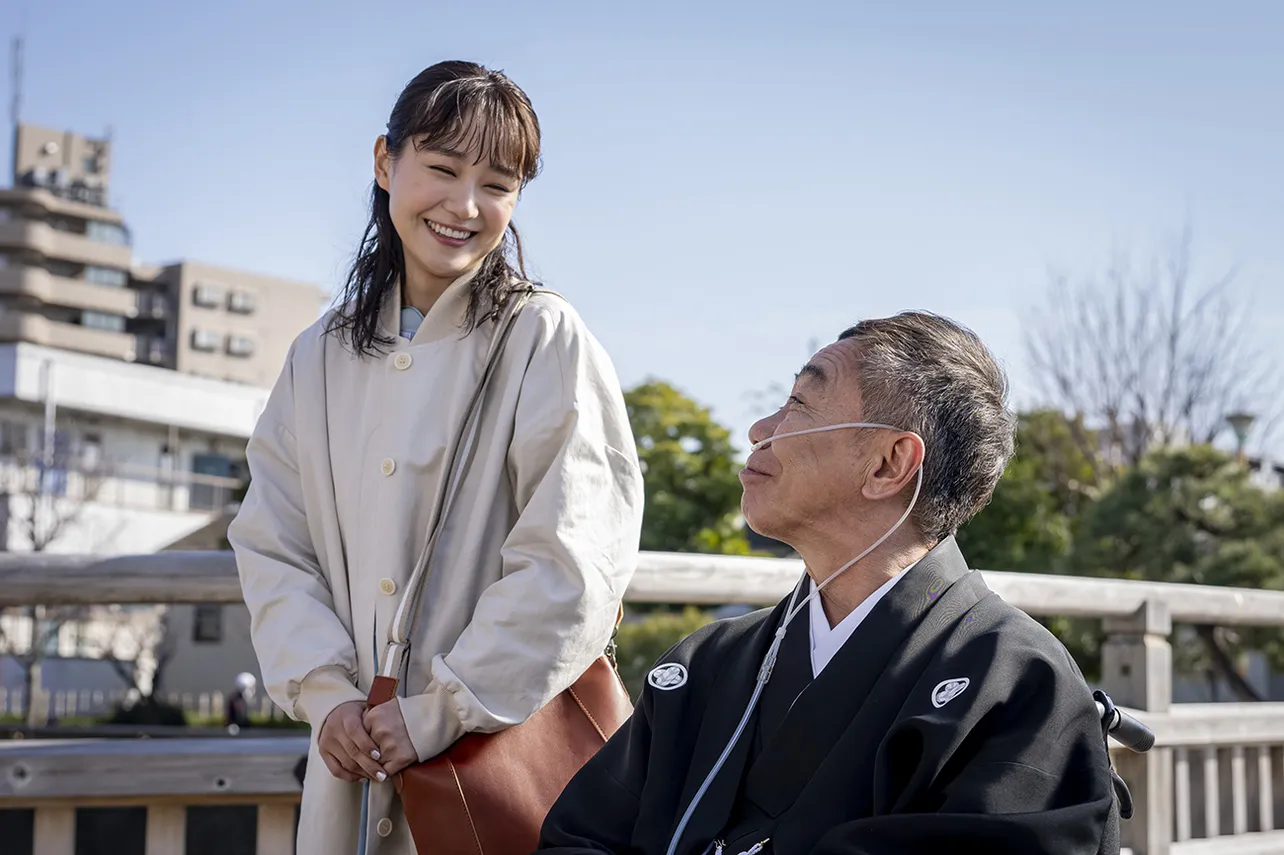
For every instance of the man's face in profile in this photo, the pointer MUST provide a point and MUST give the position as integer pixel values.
(798, 483)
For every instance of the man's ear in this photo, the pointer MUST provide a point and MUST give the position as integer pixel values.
(898, 466)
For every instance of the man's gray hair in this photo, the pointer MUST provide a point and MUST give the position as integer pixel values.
(928, 374)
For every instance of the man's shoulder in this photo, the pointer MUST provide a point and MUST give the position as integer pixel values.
(998, 632)
(713, 643)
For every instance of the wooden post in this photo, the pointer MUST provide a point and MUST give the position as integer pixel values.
(55, 831)
(276, 829)
(166, 829)
(1137, 672)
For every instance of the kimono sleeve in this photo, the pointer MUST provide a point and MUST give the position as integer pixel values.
(307, 657)
(568, 558)
(1032, 778)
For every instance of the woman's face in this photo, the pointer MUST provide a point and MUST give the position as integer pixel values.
(448, 208)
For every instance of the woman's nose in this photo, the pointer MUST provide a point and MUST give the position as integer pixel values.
(463, 202)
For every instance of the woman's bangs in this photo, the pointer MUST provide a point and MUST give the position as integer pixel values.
(480, 123)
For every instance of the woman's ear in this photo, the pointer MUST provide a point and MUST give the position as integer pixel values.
(382, 162)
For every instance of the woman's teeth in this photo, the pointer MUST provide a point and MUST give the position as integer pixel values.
(453, 234)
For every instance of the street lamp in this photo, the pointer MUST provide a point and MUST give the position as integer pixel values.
(1241, 423)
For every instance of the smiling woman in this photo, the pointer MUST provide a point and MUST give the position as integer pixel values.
(444, 485)
(461, 143)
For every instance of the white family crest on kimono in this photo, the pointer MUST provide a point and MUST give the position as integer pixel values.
(668, 677)
(948, 690)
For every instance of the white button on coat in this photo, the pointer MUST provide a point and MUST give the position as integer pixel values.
(388, 466)
(384, 828)
(402, 361)
(388, 586)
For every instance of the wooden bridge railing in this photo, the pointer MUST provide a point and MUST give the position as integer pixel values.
(1213, 784)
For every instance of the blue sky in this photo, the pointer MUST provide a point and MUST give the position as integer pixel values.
(724, 182)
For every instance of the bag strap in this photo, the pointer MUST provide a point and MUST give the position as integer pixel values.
(399, 632)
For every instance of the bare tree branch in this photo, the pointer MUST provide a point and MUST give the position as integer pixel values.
(44, 516)
(1148, 357)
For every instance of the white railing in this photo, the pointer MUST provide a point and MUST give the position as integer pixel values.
(1212, 784)
(81, 703)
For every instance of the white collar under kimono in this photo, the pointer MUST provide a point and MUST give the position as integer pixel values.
(826, 640)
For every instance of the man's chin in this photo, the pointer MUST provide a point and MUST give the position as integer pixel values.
(759, 521)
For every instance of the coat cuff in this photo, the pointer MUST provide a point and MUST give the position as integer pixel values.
(323, 690)
(432, 721)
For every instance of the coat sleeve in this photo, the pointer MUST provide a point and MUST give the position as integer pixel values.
(1032, 778)
(568, 558)
(306, 654)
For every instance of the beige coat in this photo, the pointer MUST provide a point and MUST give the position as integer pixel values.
(531, 566)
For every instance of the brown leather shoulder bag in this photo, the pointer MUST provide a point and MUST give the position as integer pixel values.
(488, 794)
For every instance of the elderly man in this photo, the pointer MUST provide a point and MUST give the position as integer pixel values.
(892, 704)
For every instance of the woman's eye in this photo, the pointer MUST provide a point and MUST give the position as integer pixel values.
(499, 188)
(444, 170)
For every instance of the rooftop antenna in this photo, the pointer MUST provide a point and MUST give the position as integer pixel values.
(15, 104)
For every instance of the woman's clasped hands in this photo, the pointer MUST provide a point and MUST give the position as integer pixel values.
(357, 743)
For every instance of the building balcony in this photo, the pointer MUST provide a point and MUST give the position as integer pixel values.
(38, 284)
(19, 326)
(49, 242)
(125, 486)
(133, 391)
(41, 201)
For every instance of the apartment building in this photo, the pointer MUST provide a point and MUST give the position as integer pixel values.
(127, 393)
(68, 278)
(127, 390)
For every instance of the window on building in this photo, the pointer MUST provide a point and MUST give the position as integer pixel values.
(239, 345)
(91, 451)
(4, 259)
(109, 276)
(112, 233)
(102, 321)
(208, 295)
(206, 340)
(4, 215)
(66, 269)
(13, 438)
(48, 631)
(241, 302)
(207, 492)
(207, 624)
(63, 224)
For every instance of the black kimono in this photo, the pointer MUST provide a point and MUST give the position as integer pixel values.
(950, 722)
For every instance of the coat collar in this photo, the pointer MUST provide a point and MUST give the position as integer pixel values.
(445, 318)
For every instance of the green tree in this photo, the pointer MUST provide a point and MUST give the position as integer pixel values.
(1028, 526)
(1191, 515)
(690, 472)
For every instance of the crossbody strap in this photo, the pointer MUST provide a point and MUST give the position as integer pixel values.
(461, 447)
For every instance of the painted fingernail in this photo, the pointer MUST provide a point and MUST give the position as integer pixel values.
(374, 752)
(381, 777)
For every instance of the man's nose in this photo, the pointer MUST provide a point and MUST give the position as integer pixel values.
(765, 428)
